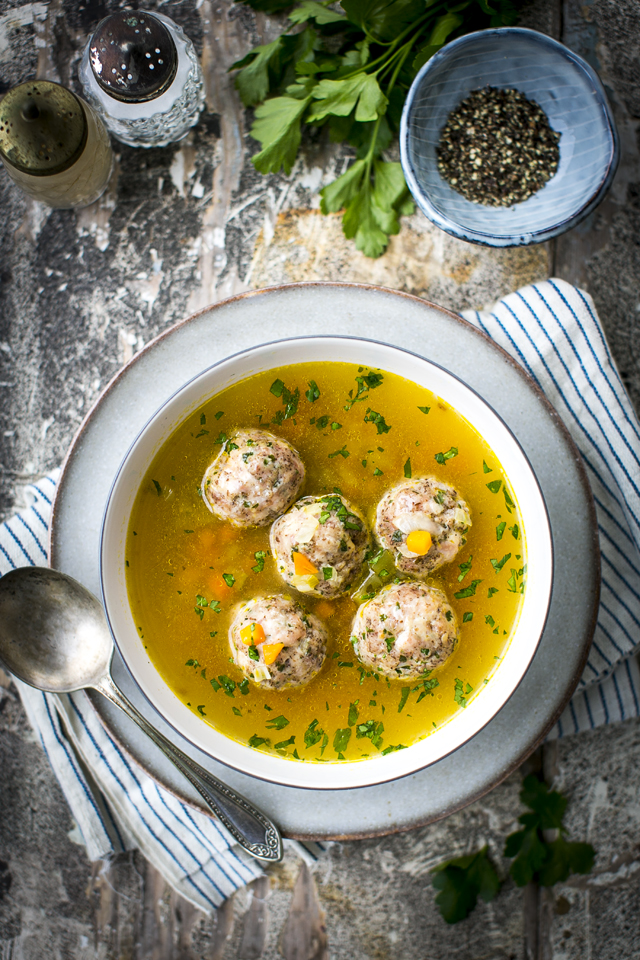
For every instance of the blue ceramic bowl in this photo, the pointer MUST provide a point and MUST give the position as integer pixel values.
(571, 95)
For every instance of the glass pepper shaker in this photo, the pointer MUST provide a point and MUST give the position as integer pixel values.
(141, 73)
(53, 145)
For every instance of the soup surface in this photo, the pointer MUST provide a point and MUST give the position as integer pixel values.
(361, 432)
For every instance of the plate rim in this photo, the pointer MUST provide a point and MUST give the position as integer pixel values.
(545, 403)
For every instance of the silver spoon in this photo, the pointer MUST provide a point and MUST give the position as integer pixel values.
(54, 636)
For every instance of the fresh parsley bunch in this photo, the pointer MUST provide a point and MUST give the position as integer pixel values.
(348, 67)
(540, 850)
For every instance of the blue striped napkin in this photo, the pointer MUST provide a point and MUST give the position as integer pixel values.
(552, 329)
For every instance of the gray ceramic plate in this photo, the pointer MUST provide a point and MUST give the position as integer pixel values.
(406, 321)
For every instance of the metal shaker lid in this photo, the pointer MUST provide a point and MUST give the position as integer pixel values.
(133, 56)
(43, 128)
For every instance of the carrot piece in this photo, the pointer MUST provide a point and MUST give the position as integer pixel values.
(302, 565)
(253, 633)
(270, 651)
(419, 541)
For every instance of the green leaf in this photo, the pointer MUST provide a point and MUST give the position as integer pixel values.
(277, 723)
(407, 469)
(252, 83)
(383, 19)
(310, 10)
(494, 486)
(339, 97)
(566, 857)
(499, 564)
(353, 714)
(442, 28)
(468, 591)
(530, 858)
(313, 734)
(341, 739)
(442, 458)
(277, 128)
(339, 194)
(461, 881)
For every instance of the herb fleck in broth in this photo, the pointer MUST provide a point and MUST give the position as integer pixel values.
(361, 432)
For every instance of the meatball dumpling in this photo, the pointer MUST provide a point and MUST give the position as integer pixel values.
(255, 477)
(320, 545)
(423, 523)
(276, 643)
(405, 631)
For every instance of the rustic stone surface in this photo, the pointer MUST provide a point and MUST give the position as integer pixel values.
(80, 293)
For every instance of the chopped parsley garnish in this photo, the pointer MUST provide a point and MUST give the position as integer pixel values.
(393, 748)
(340, 453)
(407, 469)
(192, 663)
(465, 568)
(277, 723)
(252, 652)
(158, 487)
(489, 620)
(256, 741)
(486, 468)
(290, 400)
(313, 392)
(203, 419)
(377, 472)
(365, 383)
(372, 417)
(439, 497)
(200, 709)
(229, 579)
(500, 530)
(341, 741)
(221, 438)
(237, 712)
(353, 713)
(515, 531)
(227, 684)
(201, 433)
(336, 426)
(327, 572)
(321, 422)
(345, 663)
(373, 730)
(396, 536)
(215, 606)
(424, 409)
(466, 617)
(461, 693)
(494, 486)
(508, 502)
(468, 591)
(214, 683)
(403, 698)
(243, 687)
(284, 743)
(499, 564)
(442, 458)
(276, 388)
(429, 686)
(231, 446)
(219, 414)
(260, 557)
(491, 592)
(313, 734)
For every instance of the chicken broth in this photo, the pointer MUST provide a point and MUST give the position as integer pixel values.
(359, 432)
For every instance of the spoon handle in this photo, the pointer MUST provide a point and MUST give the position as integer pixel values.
(252, 829)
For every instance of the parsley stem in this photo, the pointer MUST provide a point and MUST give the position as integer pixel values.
(388, 55)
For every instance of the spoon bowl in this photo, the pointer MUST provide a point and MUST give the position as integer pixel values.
(54, 636)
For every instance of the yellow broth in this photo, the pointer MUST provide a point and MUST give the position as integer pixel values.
(187, 570)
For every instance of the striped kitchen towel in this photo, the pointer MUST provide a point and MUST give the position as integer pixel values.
(552, 329)
(115, 804)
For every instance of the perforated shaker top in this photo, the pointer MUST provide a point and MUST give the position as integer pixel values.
(133, 56)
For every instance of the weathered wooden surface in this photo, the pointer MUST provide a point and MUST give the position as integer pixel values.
(79, 294)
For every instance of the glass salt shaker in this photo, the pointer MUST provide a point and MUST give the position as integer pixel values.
(53, 145)
(141, 73)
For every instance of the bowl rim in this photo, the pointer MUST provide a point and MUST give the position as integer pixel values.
(468, 234)
(392, 776)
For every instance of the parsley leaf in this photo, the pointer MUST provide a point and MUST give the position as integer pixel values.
(313, 734)
(442, 458)
(313, 392)
(499, 564)
(461, 881)
(536, 858)
(468, 591)
(407, 469)
(277, 723)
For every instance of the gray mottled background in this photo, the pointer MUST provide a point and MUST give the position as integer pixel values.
(80, 293)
